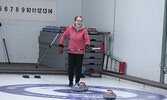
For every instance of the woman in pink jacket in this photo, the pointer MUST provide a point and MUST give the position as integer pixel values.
(79, 39)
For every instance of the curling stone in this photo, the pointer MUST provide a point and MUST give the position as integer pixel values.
(84, 85)
(79, 87)
(109, 95)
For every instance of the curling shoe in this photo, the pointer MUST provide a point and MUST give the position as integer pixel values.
(70, 84)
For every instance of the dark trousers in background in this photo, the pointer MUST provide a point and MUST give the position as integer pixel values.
(75, 64)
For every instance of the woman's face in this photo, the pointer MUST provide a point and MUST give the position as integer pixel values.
(78, 22)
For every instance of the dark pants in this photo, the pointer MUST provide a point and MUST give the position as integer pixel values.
(75, 63)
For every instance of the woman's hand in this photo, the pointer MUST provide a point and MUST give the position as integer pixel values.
(87, 47)
(60, 49)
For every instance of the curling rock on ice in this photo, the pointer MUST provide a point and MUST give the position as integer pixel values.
(80, 87)
(109, 95)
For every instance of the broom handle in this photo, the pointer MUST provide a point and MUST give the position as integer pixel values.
(101, 48)
(74, 49)
(95, 48)
(82, 49)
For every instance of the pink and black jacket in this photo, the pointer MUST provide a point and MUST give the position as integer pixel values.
(78, 39)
